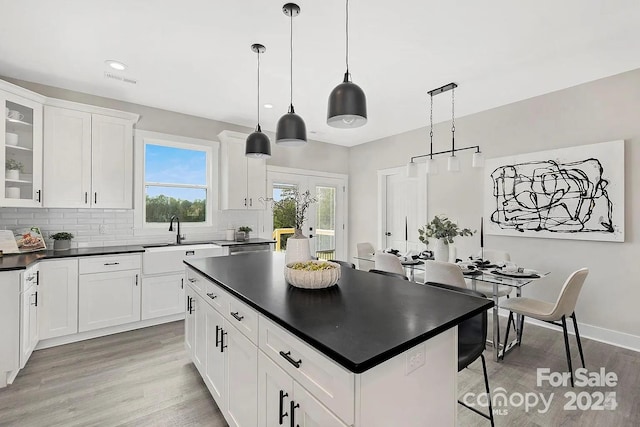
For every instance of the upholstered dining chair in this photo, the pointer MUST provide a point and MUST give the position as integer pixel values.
(390, 274)
(365, 249)
(472, 336)
(443, 272)
(555, 313)
(343, 263)
(388, 262)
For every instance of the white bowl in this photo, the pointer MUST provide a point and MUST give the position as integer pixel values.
(11, 138)
(316, 279)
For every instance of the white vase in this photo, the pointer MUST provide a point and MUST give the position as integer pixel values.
(13, 174)
(12, 192)
(441, 251)
(298, 248)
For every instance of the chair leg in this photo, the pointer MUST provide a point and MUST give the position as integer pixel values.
(566, 344)
(486, 386)
(506, 336)
(575, 327)
(514, 323)
(520, 330)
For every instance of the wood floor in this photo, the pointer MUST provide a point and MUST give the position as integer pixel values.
(143, 378)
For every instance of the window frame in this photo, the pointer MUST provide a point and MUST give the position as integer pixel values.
(211, 148)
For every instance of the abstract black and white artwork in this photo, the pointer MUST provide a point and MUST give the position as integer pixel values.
(568, 193)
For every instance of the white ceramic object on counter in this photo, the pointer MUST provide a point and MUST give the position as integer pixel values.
(230, 234)
(312, 279)
(298, 249)
(12, 174)
(12, 193)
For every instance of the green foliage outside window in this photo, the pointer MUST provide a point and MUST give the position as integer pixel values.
(161, 208)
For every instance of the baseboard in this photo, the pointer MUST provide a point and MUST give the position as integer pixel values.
(596, 333)
(68, 339)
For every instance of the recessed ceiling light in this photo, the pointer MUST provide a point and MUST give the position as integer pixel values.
(268, 105)
(116, 65)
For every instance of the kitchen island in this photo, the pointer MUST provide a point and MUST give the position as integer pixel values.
(371, 351)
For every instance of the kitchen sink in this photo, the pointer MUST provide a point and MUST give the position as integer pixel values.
(188, 243)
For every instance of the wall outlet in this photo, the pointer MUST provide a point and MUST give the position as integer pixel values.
(102, 229)
(415, 358)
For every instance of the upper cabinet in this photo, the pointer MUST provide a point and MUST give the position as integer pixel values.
(243, 181)
(20, 147)
(88, 157)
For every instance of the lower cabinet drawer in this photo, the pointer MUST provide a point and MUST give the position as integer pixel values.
(328, 382)
(104, 264)
(243, 317)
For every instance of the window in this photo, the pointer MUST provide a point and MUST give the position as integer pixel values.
(176, 180)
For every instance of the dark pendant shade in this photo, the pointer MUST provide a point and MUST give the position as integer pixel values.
(347, 105)
(291, 130)
(258, 145)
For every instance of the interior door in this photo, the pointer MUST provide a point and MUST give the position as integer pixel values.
(404, 201)
(325, 219)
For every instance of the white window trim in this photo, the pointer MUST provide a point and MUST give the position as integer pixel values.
(142, 137)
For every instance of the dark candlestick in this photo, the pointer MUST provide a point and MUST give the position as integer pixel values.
(481, 232)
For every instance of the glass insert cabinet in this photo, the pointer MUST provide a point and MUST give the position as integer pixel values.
(21, 154)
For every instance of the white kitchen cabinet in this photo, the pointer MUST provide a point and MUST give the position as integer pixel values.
(88, 157)
(10, 307)
(108, 299)
(214, 376)
(280, 399)
(243, 180)
(28, 314)
(58, 298)
(21, 142)
(190, 322)
(241, 362)
(162, 295)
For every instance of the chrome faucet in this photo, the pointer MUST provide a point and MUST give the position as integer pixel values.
(179, 237)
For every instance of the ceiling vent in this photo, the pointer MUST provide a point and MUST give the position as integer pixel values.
(114, 76)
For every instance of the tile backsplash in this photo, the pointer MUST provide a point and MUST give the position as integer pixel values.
(109, 227)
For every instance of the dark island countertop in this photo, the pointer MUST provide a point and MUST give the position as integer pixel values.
(363, 321)
(22, 261)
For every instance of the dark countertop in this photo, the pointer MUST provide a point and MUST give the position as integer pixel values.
(255, 241)
(365, 320)
(22, 261)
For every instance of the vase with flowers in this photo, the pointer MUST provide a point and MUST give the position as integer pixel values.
(297, 203)
(443, 230)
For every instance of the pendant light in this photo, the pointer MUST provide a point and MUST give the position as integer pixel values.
(347, 103)
(291, 130)
(258, 145)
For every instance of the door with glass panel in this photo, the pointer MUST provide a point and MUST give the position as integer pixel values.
(324, 220)
(21, 137)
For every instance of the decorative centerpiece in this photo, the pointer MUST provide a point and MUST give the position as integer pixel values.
(61, 241)
(314, 274)
(13, 169)
(246, 230)
(443, 230)
(297, 245)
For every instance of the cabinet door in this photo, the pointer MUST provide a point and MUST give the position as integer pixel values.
(162, 296)
(21, 141)
(214, 370)
(108, 299)
(275, 392)
(233, 191)
(241, 361)
(199, 309)
(67, 150)
(28, 324)
(312, 413)
(112, 162)
(189, 322)
(256, 183)
(58, 298)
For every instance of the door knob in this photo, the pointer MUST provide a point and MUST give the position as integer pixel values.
(388, 233)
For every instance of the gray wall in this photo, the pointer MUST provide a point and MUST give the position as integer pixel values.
(598, 111)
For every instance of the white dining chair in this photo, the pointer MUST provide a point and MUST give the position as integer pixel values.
(365, 249)
(443, 272)
(388, 262)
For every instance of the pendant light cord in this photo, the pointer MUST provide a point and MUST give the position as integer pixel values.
(291, 62)
(431, 129)
(347, 36)
(258, 88)
(453, 122)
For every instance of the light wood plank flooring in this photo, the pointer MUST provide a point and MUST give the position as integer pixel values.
(143, 378)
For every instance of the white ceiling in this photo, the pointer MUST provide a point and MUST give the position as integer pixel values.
(194, 57)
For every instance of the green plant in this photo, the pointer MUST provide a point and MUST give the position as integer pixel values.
(245, 228)
(442, 227)
(13, 164)
(63, 235)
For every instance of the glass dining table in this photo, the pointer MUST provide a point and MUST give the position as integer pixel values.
(496, 279)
